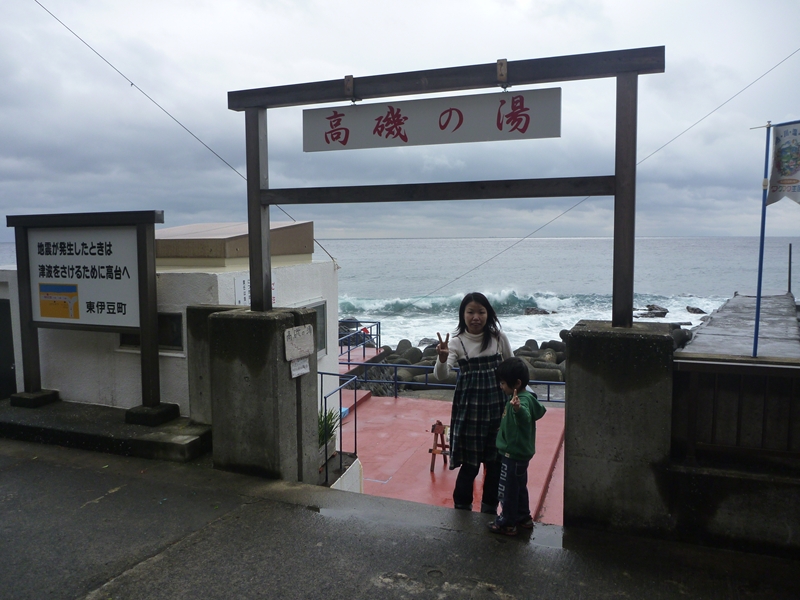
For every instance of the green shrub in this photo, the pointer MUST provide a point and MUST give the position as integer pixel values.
(328, 424)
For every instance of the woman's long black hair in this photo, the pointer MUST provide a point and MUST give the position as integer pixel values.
(492, 328)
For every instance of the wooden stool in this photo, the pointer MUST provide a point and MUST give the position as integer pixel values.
(440, 445)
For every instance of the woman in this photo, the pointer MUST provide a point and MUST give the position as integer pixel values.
(477, 347)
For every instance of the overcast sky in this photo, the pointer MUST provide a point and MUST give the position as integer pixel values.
(75, 136)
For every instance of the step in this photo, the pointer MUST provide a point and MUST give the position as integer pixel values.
(103, 429)
(352, 398)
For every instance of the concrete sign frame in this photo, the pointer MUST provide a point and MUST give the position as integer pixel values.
(624, 65)
(142, 223)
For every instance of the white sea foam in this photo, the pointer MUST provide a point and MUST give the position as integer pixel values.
(400, 319)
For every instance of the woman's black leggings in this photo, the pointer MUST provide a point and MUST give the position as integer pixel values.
(462, 494)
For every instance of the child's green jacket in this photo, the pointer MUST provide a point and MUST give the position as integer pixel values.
(517, 436)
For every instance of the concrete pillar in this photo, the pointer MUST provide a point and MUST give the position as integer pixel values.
(198, 357)
(265, 421)
(618, 427)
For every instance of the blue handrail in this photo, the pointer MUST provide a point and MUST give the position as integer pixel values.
(324, 401)
(427, 384)
(367, 334)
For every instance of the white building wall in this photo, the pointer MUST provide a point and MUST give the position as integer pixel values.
(91, 367)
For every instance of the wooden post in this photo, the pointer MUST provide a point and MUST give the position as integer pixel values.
(258, 214)
(624, 200)
(31, 369)
(148, 314)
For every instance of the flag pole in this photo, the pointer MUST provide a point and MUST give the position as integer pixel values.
(765, 186)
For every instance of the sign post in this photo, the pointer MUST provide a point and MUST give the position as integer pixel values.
(784, 182)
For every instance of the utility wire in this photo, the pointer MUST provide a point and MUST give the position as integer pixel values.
(165, 111)
(519, 241)
(475, 268)
(767, 72)
(140, 90)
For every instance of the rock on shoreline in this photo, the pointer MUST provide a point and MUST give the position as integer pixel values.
(414, 364)
(545, 363)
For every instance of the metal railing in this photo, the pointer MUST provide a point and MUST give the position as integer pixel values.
(549, 384)
(427, 383)
(365, 334)
(337, 395)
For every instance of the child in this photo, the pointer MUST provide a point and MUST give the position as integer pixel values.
(477, 348)
(516, 443)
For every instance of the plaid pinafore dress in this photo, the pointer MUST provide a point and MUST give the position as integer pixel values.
(478, 405)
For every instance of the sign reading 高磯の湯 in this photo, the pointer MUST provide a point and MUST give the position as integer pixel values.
(500, 116)
(84, 276)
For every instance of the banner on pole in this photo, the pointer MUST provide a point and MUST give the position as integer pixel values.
(784, 182)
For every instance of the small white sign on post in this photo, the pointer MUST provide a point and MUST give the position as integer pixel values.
(501, 116)
(299, 342)
(300, 366)
(241, 290)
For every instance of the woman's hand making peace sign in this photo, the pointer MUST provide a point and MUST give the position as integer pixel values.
(442, 347)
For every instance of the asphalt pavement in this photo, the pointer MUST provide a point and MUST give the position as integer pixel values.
(81, 524)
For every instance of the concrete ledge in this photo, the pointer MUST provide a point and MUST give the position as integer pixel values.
(729, 507)
(152, 416)
(34, 399)
(103, 429)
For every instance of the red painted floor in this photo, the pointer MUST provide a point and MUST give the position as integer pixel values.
(552, 511)
(394, 436)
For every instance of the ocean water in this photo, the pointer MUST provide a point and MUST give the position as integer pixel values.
(414, 286)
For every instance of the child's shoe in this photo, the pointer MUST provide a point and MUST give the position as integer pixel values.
(505, 529)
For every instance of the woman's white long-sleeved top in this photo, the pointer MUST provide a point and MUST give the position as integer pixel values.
(469, 345)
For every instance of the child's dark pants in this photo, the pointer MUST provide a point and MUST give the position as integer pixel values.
(513, 491)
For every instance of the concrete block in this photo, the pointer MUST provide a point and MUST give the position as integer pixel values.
(152, 416)
(34, 399)
(618, 426)
(198, 359)
(618, 496)
(265, 422)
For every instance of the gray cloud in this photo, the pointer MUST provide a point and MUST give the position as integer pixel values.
(76, 136)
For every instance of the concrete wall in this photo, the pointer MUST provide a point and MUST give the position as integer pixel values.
(265, 421)
(91, 367)
(618, 416)
(737, 508)
(626, 469)
(352, 480)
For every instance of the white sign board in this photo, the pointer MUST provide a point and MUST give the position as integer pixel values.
(84, 275)
(299, 342)
(480, 118)
(241, 291)
(300, 366)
